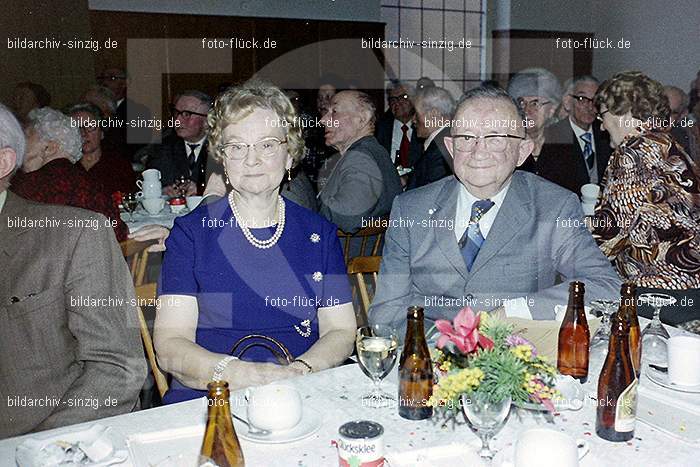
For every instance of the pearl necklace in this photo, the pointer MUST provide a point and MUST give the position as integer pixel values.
(262, 244)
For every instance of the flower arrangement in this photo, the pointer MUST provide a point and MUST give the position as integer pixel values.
(477, 355)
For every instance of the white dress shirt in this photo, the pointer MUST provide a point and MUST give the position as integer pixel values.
(578, 131)
(3, 195)
(397, 134)
(197, 150)
(514, 308)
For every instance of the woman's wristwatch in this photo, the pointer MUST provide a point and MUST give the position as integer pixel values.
(221, 366)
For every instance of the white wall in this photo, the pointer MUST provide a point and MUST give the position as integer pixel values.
(351, 10)
(663, 35)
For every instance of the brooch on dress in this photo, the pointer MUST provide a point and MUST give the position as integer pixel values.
(317, 276)
(315, 238)
(307, 328)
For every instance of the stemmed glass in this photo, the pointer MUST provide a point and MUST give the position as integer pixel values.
(130, 203)
(377, 347)
(486, 418)
(601, 338)
(655, 335)
(181, 186)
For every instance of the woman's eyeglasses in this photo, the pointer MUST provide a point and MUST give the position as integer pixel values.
(495, 143)
(266, 148)
(599, 116)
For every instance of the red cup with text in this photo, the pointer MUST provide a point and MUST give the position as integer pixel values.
(361, 443)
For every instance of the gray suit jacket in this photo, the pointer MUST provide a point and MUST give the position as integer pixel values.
(530, 243)
(363, 185)
(55, 349)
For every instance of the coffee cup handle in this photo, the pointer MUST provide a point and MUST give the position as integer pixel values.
(139, 183)
(139, 194)
(582, 447)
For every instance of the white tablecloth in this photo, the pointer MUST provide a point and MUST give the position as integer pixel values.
(141, 218)
(336, 393)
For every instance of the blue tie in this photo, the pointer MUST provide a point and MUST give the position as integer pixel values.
(472, 239)
(588, 150)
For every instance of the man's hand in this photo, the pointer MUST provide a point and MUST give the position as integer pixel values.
(190, 189)
(152, 232)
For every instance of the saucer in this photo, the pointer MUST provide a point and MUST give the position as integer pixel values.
(310, 423)
(661, 378)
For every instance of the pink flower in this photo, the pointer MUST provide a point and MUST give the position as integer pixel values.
(465, 333)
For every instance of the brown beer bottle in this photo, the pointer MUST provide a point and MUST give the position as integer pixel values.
(617, 387)
(628, 310)
(574, 336)
(220, 442)
(415, 370)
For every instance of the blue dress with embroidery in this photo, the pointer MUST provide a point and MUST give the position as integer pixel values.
(242, 290)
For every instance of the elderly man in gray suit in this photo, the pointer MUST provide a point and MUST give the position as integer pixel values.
(363, 182)
(489, 237)
(70, 349)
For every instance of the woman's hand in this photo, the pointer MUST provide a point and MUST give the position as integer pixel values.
(258, 374)
(152, 232)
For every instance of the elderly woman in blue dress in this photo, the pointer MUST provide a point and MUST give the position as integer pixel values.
(251, 262)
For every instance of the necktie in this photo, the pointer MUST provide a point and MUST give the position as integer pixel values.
(472, 239)
(191, 159)
(405, 144)
(588, 150)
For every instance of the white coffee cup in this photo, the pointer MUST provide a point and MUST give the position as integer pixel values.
(590, 192)
(150, 189)
(542, 447)
(274, 407)
(153, 205)
(683, 363)
(588, 208)
(193, 202)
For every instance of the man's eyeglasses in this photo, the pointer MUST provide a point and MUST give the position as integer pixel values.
(599, 117)
(495, 143)
(582, 99)
(534, 103)
(110, 77)
(185, 113)
(236, 151)
(398, 98)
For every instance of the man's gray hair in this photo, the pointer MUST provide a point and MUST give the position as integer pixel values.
(396, 84)
(365, 104)
(11, 135)
(52, 125)
(106, 95)
(493, 93)
(535, 82)
(435, 98)
(571, 83)
(685, 99)
(203, 97)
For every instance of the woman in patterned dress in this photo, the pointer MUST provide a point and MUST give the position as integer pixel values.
(251, 262)
(648, 218)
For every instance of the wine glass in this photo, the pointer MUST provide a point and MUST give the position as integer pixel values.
(486, 418)
(655, 335)
(181, 186)
(601, 338)
(377, 347)
(130, 203)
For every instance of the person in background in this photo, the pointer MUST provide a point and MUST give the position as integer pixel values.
(538, 94)
(683, 130)
(104, 165)
(395, 129)
(423, 83)
(434, 109)
(49, 173)
(363, 182)
(576, 151)
(647, 221)
(27, 97)
(55, 345)
(186, 152)
(275, 269)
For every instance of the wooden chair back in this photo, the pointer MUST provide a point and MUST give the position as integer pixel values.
(371, 241)
(137, 258)
(146, 294)
(363, 271)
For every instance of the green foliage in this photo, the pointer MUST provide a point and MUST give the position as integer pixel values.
(497, 331)
(503, 375)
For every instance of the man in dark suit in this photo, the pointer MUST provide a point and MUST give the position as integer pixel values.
(185, 153)
(576, 151)
(434, 109)
(395, 130)
(70, 349)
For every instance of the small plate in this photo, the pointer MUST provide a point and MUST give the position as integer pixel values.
(661, 378)
(310, 423)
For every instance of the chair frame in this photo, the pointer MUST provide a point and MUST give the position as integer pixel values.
(358, 267)
(365, 234)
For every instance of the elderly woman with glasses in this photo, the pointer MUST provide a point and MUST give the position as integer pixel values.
(538, 94)
(50, 172)
(251, 262)
(648, 218)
